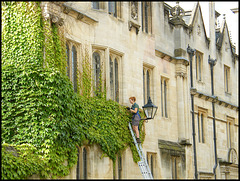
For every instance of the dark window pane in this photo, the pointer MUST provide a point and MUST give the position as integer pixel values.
(112, 7)
(78, 166)
(165, 98)
(148, 85)
(84, 163)
(119, 167)
(152, 164)
(74, 68)
(67, 59)
(146, 17)
(116, 81)
(202, 128)
(111, 78)
(95, 4)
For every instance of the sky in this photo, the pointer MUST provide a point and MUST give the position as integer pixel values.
(222, 7)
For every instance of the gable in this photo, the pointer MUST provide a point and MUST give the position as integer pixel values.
(223, 41)
(197, 23)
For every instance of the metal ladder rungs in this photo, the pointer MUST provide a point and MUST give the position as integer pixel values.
(143, 165)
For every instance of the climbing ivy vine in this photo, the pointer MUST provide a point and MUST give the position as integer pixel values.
(43, 119)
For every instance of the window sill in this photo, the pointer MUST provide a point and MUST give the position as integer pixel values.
(115, 18)
(164, 118)
(200, 82)
(228, 93)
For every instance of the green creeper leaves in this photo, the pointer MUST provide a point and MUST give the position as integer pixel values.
(22, 34)
(43, 119)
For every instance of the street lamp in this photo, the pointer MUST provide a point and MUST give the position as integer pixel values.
(149, 109)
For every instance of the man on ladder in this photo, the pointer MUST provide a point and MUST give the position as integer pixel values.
(143, 165)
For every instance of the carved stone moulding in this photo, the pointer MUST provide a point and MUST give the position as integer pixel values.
(133, 24)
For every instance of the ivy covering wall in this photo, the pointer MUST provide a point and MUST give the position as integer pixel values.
(43, 119)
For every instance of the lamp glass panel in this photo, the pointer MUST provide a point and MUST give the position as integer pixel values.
(148, 112)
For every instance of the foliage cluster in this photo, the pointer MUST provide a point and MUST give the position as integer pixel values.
(43, 119)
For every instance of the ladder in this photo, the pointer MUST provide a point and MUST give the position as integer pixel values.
(143, 165)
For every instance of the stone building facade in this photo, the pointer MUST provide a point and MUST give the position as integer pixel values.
(152, 49)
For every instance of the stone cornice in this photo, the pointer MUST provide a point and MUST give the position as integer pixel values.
(169, 58)
(215, 99)
(78, 15)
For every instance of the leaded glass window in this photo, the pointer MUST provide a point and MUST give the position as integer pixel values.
(96, 71)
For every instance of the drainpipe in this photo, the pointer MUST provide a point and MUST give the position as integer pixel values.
(191, 53)
(212, 62)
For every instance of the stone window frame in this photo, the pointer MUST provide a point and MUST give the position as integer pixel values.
(104, 7)
(175, 161)
(117, 8)
(101, 53)
(101, 5)
(70, 44)
(147, 89)
(147, 29)
(168, 150)
(202, 121)
(84, 164)
(227, 85)
(152, 161)
(164, 88)
(118, 167)
(78, 164)
(199, 66)
(230, 131)
(113, 90)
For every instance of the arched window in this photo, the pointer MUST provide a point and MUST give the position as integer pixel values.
(146, 84)
(198, 65)
(67, 59)
(116, 81)
(84, 163)
(164, 97)
(96, 71)
(74, 68)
